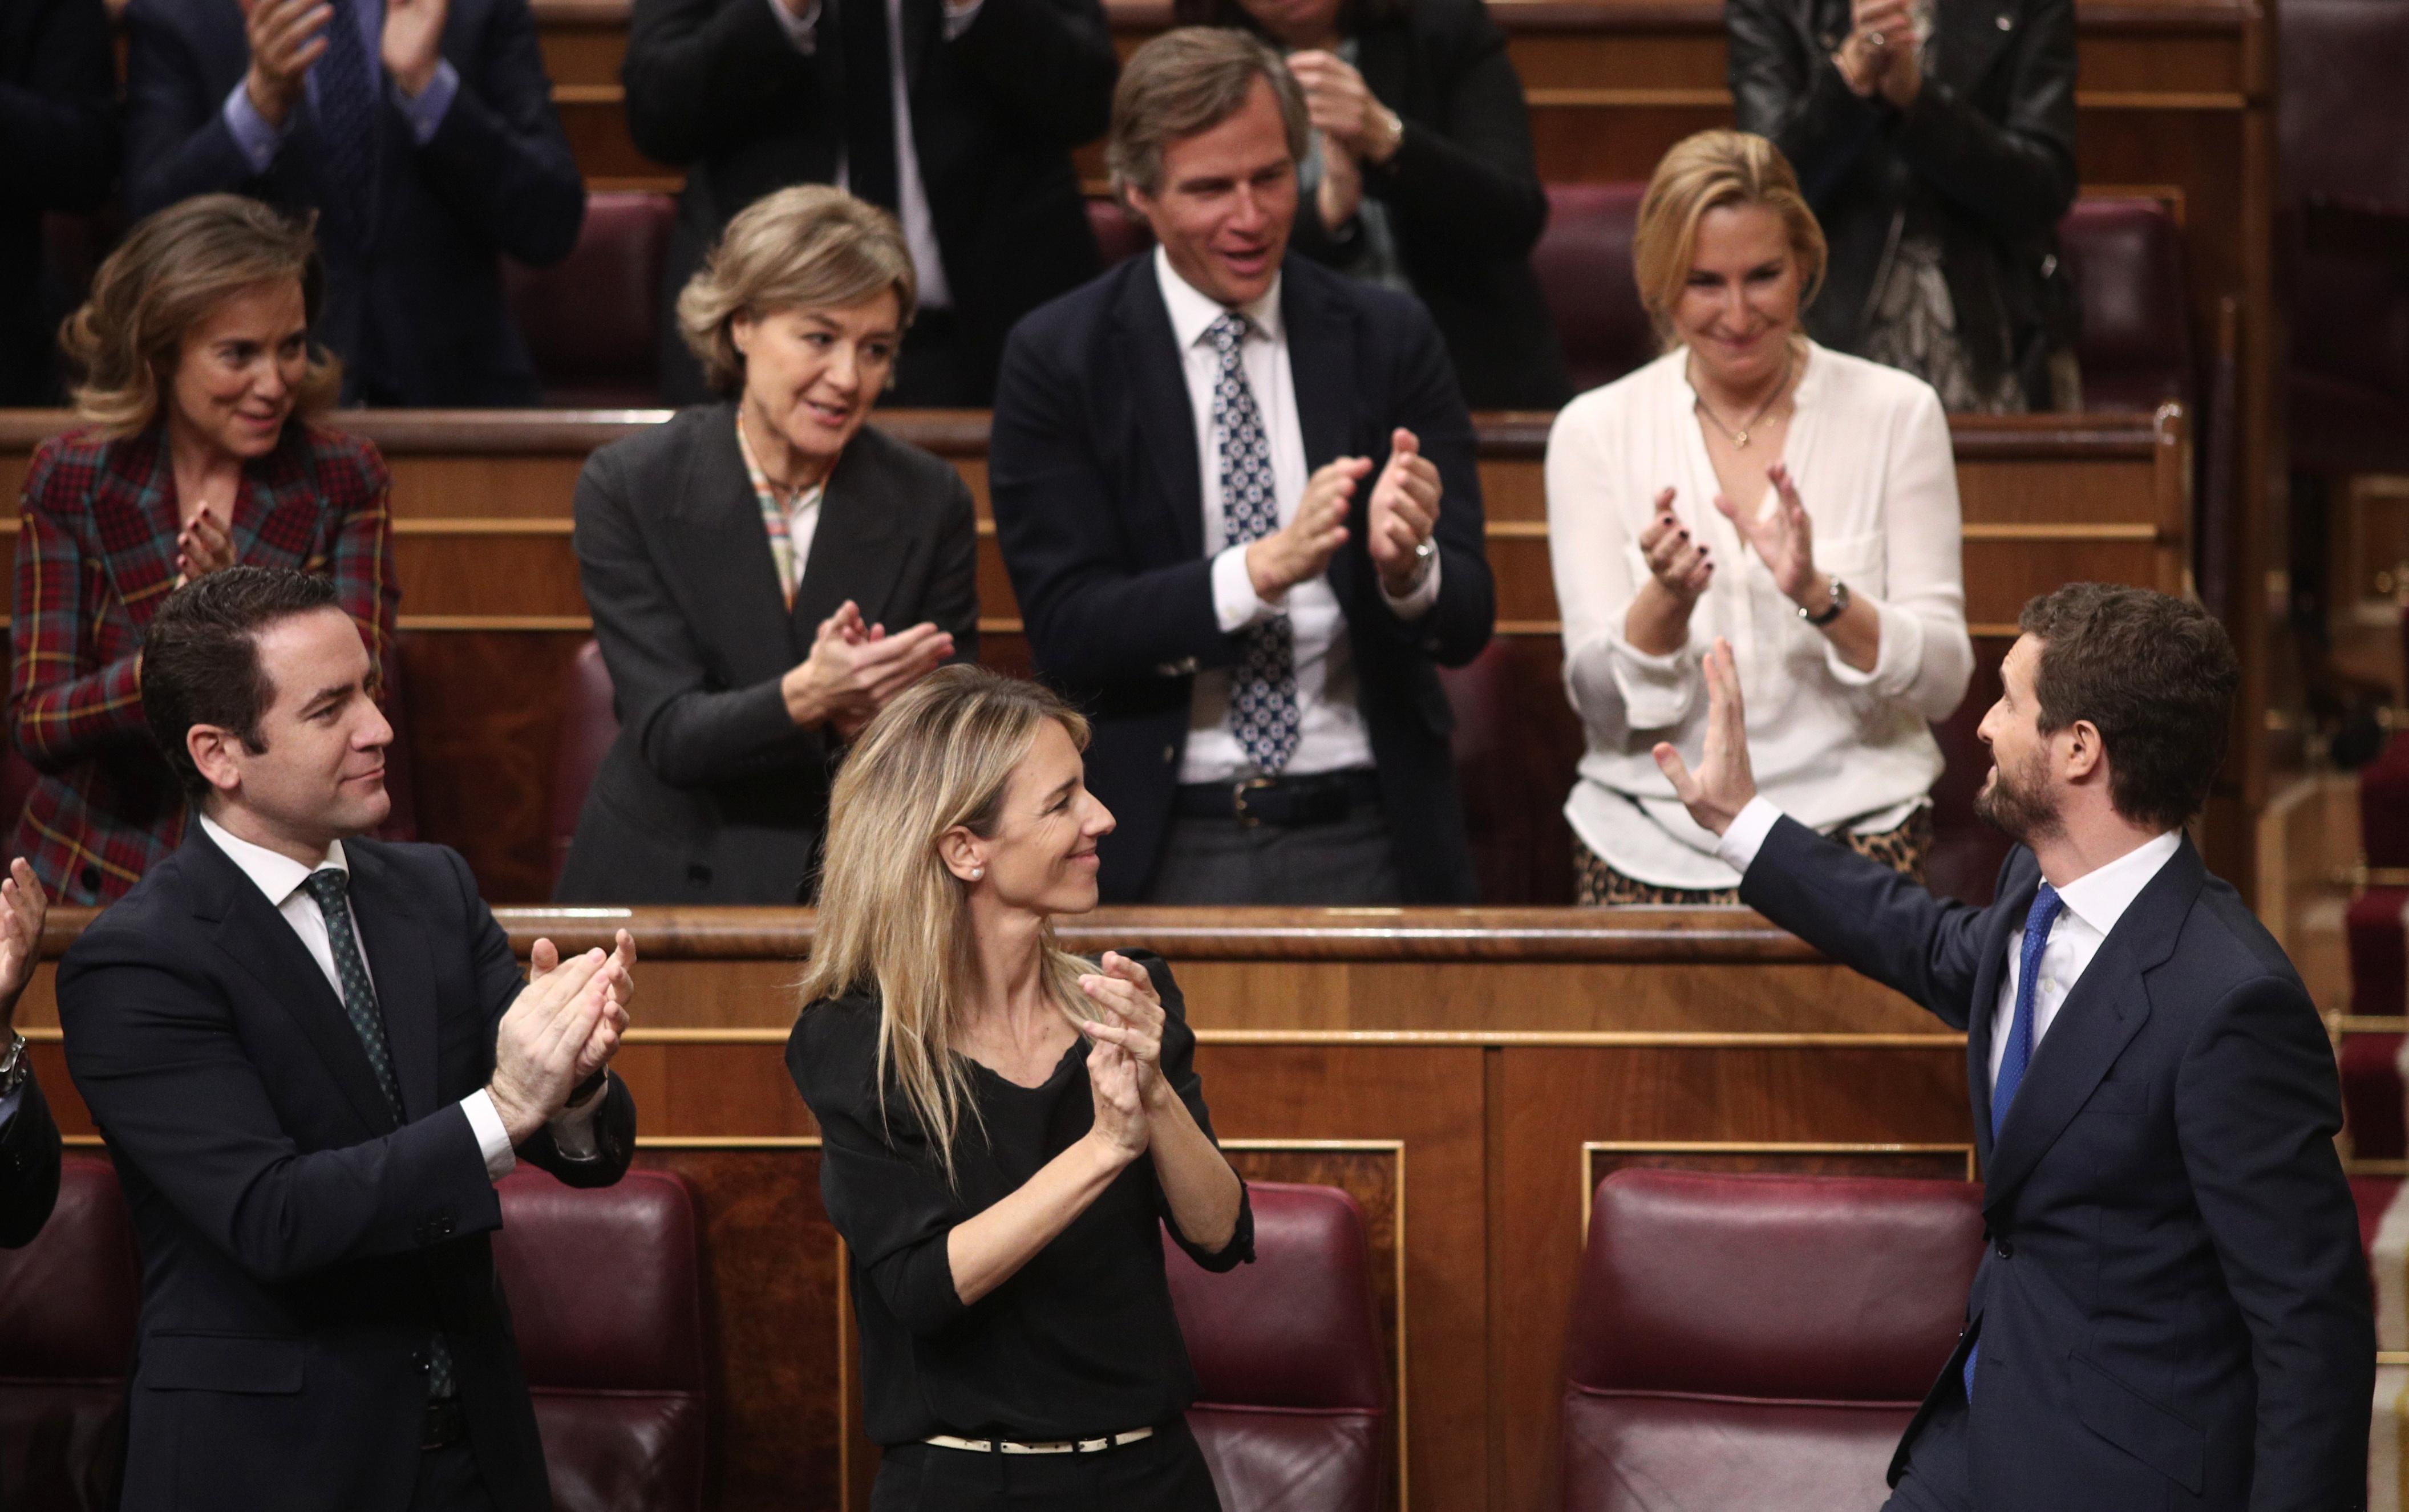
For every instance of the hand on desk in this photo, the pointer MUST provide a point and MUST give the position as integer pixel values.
(857, 669)
(1723, 784)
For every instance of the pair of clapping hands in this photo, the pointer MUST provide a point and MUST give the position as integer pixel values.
(1125, 1067)
(1356, 129)
(286, 36)
(1880, 54)
(1398, 522)
(1779, 533)
(563, 1026)
(856, 668)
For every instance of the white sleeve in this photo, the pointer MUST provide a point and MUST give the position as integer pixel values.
(491, 1138)
(1235, 604)
(1614, 688)
(1745, 835)
(1925, 658)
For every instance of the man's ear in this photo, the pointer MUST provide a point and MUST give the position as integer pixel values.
(211, 748)
(2083, 755)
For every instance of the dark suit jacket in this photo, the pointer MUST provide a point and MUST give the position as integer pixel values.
(2174, 1308)
(1985, 159)
(299, 1247)
(414, 302)
(1464, 198)
(1094, 473)
(29, 1168)
(58, 151)
(715, 87)
(711, 794)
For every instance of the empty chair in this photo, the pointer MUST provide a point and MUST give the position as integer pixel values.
(1516, 744)
(592, 321)
(1757, 1343)
(2125, 256)
(1292, 1378)
(1583, 261)
(67, 1302)
(606, 1298)
(588, 725)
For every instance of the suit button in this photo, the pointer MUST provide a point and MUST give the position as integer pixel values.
(2005, 1250)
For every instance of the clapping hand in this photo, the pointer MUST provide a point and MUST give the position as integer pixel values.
(202, 547)
(412, 43)
(1301, 548)
(1404, 512)
(22, 907)
(1129, 1015)
(1723, 784)
(857, 669)
(1682, 565)
(285, 37)
(1780, 533)
(1880, 52)
(545, 1044)
(603, 1042)
(1340, 105)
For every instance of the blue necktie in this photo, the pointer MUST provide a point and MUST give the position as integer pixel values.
(2018, 1053)
(1263, 712)
(350, 96)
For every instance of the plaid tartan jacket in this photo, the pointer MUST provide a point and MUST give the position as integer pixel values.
(96, 557)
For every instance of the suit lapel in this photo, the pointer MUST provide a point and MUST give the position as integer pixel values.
(1989, 967)
(134, 522)
(277, 510)
(400, 961)
(2107, 1007)
(851, 557)
(1157, 384)
(722, 551)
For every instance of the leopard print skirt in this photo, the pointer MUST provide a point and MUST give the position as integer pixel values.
(1902, 849)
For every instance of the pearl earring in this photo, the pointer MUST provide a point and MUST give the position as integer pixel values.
(977, 871)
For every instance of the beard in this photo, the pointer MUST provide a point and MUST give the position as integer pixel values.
(2019, 805)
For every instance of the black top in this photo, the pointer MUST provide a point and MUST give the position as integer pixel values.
(1081, 1341)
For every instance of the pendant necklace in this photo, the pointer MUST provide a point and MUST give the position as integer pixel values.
(1739, 437)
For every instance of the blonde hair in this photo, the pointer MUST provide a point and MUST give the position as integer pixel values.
(892, 915)
(1188, 80)
(172, 270)
(805, 247)
(1705, 172)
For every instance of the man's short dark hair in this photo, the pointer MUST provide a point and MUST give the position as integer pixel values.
(200, 657)
(2155, 675)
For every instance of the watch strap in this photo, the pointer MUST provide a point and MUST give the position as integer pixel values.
(1838, 607)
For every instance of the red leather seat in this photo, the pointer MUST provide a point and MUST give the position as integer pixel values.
(2371, 1090)
(2125, 255)
(1118, 233)
(1583, 264)
(1757, 1343)
(67, 1304)
(592, 320)
(1292, 1380)
(606, 1297)
(1518, 747)
(589, 724)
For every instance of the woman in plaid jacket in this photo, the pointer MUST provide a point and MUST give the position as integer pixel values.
(197, 453)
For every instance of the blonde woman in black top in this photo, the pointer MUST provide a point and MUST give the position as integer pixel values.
(1005, 1124)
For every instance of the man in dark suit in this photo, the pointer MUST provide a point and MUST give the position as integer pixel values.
(29, 1141)
(58, 151)
(1207, 555)
(311, 1056)
(958, 116)
(2174, 1308)
(422, 132)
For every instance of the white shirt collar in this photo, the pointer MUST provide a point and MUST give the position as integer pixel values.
(2100, 896)
(1193, 311)
(273, 873)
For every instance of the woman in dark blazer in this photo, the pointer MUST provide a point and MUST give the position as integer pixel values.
(1935, 140)
(1421, 175)
(744, 559)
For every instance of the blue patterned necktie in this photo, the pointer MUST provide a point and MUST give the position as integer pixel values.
(2017, 1054)
(349, 98)
(329, 885)
(1262, 692)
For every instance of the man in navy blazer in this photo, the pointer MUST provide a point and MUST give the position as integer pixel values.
(1237, 498)
(311, 1056)
(421, 132)
(2174, 1307)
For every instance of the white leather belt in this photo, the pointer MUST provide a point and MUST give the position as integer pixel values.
(1053, 1445)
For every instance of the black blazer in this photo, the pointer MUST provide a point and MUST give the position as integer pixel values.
(715, 87)
(710, 794)
(414, 302)
(1464, 198)
(29, 1168)
(1094, 474)
(299, 1247)
(2174, 1307)
(1985, 159)
(58, 151)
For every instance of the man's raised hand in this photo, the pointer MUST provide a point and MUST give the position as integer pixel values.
(1723, 784)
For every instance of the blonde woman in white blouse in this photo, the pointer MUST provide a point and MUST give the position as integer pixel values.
(1752, 486)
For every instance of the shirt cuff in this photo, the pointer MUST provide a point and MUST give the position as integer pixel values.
(572, 1126)
(491, 1138)
(254, 137)
(1745, 835)
(957, 19)
(425, 112)
(1236, 603)
(1417, 600)
(804, 33)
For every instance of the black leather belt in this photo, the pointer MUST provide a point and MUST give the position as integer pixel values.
(1324, 798)
(446, 1425)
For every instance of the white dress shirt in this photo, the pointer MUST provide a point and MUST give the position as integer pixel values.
(2094, 902)
(919, 227)
(1832, 745)
(1330, 733)
(281, 878)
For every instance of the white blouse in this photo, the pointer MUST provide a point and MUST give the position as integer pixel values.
(1832, 746)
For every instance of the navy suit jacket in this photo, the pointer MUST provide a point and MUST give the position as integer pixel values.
(2174, 1310)
(413, 300)
(299, 1246)
(1100, 514)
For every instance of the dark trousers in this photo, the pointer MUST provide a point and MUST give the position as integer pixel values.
(1937, 1477)
(1163, 1474)
(1228, 861)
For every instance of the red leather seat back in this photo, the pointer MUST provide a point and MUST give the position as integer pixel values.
(2125, 255)
(1583, 264)
(588, 725)
(1966, 850)
(1118, 233)
(1517, 748)
(592, 320)
(606, 1295)
(67, 1305)
(1292, 1377)
(1758, 1341)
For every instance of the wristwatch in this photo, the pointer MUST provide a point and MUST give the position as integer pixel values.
(1839, 606)
(13, 1066)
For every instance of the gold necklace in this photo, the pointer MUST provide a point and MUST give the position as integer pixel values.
(1739, 437)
